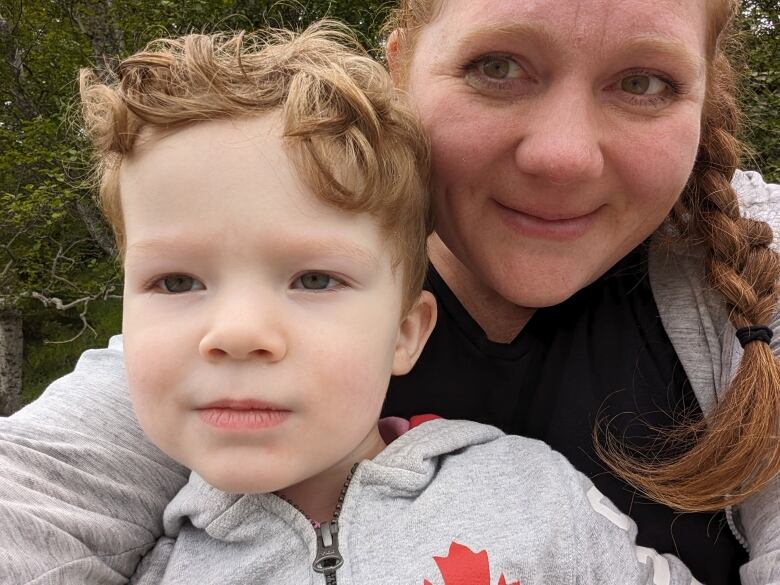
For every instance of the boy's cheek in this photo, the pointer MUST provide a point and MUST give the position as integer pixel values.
(144, 376)
(152, 351)
(150, 376)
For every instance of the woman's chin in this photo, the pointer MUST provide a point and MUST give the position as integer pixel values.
(527, 274)
(536, 286)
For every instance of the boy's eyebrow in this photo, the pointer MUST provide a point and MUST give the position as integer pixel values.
(332, 247)
(300, 247)
(154, 244)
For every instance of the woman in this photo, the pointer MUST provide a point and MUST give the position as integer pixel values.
(563, 135)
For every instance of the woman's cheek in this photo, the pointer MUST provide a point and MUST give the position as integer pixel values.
(658, 164)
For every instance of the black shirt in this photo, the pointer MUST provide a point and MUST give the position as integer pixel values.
(602, 353)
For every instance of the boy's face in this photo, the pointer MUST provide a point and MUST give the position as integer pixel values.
(261, 325)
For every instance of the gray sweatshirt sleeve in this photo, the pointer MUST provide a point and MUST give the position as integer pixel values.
(606, 541)
(759, 517)
(82, 492)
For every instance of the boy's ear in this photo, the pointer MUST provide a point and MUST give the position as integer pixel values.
(393, 58)
(415, 329)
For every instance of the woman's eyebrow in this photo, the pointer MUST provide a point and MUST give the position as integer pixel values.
(512, 31)
(671, 48)
(650, 43)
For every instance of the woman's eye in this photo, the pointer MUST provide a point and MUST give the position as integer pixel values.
(179, 283)
(644, 85)
(498, 68)
(315, 281)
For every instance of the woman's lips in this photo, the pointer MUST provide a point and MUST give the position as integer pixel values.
(242, 415)
(559, 228)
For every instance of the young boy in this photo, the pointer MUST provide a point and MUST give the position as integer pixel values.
(269, 199)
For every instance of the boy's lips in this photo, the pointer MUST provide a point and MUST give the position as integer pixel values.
(250, 404)
(242, 415)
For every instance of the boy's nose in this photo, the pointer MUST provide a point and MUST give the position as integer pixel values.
(244, 334)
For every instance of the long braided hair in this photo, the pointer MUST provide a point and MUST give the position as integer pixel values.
(735, 452)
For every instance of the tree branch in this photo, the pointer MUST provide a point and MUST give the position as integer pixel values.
(91, 217)
(84, 302)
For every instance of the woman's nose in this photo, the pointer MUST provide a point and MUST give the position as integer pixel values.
(242, 331)
(561, 139)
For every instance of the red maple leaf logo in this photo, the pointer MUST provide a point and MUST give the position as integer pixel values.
(462, 566)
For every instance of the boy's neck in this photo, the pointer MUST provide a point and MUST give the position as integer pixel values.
(317, 497)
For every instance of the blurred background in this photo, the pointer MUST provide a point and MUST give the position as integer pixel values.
(60, 282)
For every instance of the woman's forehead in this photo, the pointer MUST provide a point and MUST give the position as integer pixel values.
(574, 22)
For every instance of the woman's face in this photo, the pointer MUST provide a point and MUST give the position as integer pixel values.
(562, 133)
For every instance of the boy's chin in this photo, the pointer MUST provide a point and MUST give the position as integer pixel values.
(239, 479)
(235, 484)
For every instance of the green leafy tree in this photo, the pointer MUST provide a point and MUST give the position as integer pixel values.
(760, 27)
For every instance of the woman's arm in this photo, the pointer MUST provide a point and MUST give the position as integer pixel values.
(697, 322)
(759, 518)
(607, 552)
(82, 491)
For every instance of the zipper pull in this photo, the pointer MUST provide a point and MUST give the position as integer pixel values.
(328, 557)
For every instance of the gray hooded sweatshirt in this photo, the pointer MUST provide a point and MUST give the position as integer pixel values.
(82, 491)
(447, 502)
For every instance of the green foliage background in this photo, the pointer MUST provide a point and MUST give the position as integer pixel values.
(51, 235)
(760, 37)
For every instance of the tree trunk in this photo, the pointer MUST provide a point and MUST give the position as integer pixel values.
(11, 346)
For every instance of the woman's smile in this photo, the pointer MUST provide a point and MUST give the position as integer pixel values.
(548, 225)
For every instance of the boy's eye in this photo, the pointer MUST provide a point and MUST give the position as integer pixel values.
(315, 281)
(179, 283)
(643, 84)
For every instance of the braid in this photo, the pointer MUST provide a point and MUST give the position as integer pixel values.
(735, 452)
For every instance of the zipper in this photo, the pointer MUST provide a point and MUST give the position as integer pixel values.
(328, 558)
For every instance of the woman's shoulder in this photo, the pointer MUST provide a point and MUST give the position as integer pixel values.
(758, 199)
(693, 314)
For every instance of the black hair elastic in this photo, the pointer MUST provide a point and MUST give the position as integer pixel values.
(754, 333)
